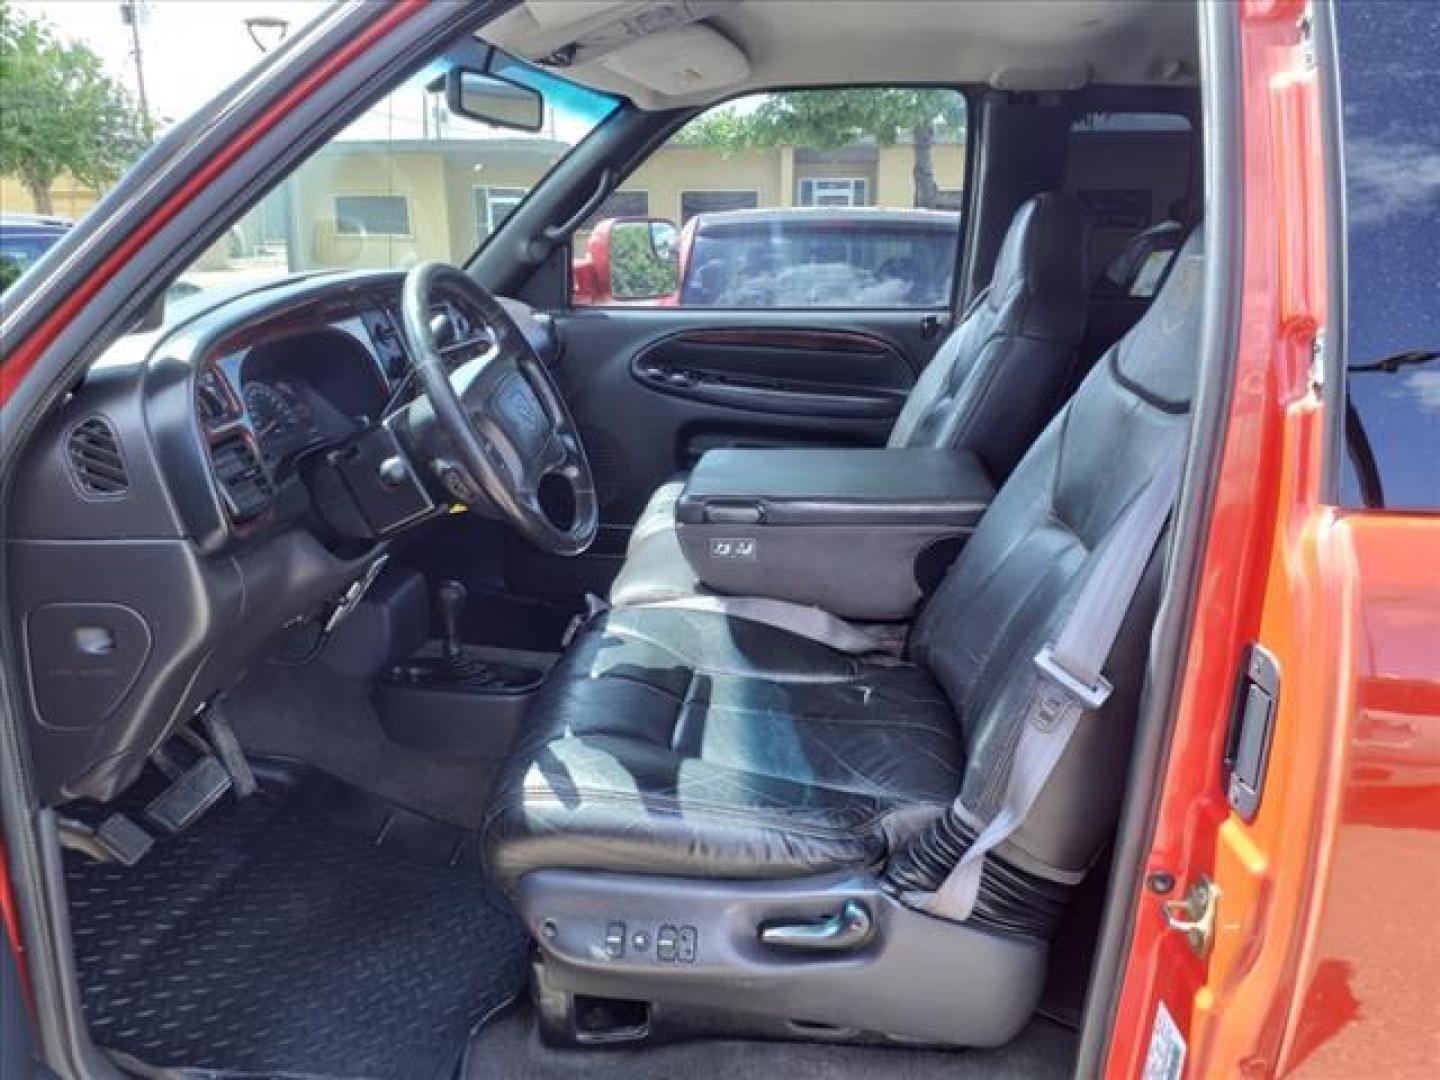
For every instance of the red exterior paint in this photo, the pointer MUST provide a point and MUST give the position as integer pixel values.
(10, 920)
(23, 355)
(1370, 1002)
(1325, 961)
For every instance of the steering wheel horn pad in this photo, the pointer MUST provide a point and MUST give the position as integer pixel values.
(504, 416)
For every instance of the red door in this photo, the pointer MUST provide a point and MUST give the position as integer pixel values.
(1316, 953)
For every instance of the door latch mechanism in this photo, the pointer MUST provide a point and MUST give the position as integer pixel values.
(1194, 916)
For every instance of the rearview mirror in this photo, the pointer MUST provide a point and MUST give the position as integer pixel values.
(492, 99)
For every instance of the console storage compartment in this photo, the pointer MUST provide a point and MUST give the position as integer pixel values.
(862, 533)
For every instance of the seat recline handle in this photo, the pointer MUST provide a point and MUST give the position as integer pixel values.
(849, 928)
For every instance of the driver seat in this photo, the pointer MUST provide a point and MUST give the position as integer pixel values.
(700, 804)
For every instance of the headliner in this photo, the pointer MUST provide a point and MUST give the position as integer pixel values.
(1021, 45)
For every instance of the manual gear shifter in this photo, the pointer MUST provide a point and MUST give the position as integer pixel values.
(451, 597)
(453, 666)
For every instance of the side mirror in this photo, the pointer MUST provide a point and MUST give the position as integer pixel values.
(493, 99)
(629, 259)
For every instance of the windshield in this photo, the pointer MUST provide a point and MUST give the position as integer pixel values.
(407, 182)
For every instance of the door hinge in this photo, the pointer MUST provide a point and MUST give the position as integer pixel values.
(1319, 360)
(1194, 916)
(1307, 39)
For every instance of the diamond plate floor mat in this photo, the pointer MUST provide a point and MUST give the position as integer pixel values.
(269, 940)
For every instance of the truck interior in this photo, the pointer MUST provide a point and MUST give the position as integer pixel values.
(431, 676)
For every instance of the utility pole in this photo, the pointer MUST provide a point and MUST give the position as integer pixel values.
(130, 15)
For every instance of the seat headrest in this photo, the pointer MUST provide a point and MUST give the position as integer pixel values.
(1159, 356)
(1043, 267)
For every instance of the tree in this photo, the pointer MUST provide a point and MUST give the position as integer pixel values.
(60, 112)
(830, 119)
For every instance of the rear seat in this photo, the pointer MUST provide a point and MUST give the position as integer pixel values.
(990, 389)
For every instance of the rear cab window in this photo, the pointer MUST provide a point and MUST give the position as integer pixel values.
(814, 199)
(1135, 171)
(1389, 65)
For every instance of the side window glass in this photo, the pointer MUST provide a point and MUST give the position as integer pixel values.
(1389, 66)
(835, 198)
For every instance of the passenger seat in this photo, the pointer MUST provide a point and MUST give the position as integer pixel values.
(990, 389)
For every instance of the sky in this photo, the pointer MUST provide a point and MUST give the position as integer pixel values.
(192, 49)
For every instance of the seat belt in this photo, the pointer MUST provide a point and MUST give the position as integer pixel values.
(1066, 681)
(802, 620)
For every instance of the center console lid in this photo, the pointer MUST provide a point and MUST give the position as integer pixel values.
(862, 533)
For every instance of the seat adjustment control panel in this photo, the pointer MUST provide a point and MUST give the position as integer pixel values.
(669, 943)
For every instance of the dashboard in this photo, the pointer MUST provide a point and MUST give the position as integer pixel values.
(207, 487)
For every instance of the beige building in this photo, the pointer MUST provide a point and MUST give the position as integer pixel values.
(391, 204)
(69, 198)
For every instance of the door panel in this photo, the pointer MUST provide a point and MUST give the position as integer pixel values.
(653, 388)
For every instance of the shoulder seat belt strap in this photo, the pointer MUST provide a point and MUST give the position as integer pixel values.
(1066, 681)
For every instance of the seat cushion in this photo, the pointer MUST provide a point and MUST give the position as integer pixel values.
(693, 744)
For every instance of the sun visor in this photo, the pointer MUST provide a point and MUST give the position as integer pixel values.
(682, 62)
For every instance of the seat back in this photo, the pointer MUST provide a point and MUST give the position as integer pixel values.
(1014, 583)
(999, 375)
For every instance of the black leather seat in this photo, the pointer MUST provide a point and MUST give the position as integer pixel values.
(990, 388)
(677, 742)
(688, 745)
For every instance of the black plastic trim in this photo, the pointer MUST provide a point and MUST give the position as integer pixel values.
(915, 978)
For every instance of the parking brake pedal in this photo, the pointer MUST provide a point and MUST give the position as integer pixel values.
(227, 749)
(198, 788)
(117, 839)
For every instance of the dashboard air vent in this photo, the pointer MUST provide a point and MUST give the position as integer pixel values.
(95, 457)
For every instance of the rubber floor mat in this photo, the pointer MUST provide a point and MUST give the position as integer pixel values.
(269, 940)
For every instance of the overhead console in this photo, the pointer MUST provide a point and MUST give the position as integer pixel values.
(862, 533)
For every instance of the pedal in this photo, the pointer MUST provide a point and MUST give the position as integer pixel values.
(117, 839)
(180, 805)
(227, 749)
(171, 765)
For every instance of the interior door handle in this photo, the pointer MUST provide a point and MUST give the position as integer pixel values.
(848, 928)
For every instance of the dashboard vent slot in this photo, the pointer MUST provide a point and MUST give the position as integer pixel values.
(95, 457)
(242, 477)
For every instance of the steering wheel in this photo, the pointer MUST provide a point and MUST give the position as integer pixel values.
(502, 413)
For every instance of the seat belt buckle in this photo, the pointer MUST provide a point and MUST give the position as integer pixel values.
(1091, 697)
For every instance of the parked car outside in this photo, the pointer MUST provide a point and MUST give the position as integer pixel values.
(23, 239)
(826, 257)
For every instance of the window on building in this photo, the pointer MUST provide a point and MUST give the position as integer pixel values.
(867, 215)
(621, 204)
(372, 215)
(493, 205)
(1389, 60)
(714, 202)
(847, 191)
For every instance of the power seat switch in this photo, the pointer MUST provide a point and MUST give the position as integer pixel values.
(665, 943)
(615, 940)
(1252, 723)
